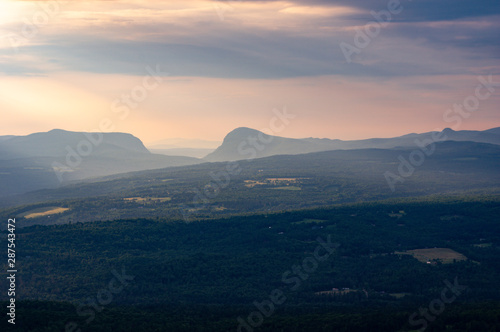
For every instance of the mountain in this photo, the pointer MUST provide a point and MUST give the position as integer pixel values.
(273, 183)
(245, 143)
(55, 143)
(50, 159)
(495, 131)
(58, 157)
(7, 137)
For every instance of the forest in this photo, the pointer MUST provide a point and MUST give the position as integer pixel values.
(206, 274)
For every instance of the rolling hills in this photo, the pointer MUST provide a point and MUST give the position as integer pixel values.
(269, 184)
(57, 157)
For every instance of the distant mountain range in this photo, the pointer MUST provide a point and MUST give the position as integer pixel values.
(58, 157)
(245, 143)
(47, 160)
(273, 183)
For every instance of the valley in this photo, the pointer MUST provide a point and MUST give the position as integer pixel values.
(222, 241)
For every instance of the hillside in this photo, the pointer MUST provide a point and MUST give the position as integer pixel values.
(57, 157)
(268, 184)
(245, 143)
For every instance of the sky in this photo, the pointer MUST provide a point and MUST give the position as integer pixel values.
(347, 69)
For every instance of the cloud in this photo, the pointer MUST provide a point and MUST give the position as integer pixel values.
(262, 39)
(415, 11)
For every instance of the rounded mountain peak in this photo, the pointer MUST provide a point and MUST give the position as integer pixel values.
(241, 133)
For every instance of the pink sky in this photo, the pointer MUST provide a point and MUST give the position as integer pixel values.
(230, 64)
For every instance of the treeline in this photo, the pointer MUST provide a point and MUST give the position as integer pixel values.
(43, 316)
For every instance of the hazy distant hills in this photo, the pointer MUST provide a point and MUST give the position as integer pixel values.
(196, 148)
(4, 138)
(273, 183)
(186, 143)
(58, 157)
(55, 142)
(47, 160)
(245, 143)
(186, 152)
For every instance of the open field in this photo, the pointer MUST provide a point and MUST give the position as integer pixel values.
(272, 182)
(147, 199)
(47, 211)
(444, 255)
(293, 188)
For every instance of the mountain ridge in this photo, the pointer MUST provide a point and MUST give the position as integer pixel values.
(54, 143)
(247, 143)
(50, 159)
